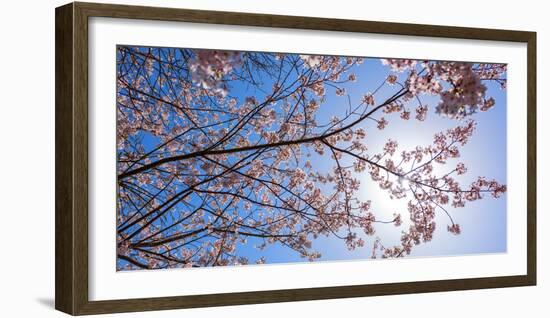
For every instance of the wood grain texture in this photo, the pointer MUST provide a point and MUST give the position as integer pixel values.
(64, 237)
(80, 156)
(72, 157)
(532, 158)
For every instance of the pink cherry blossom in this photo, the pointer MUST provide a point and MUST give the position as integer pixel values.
(220, 150)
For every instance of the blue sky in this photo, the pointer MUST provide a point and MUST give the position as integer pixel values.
(483, 222)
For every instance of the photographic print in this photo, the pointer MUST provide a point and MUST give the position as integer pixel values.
(231, 158)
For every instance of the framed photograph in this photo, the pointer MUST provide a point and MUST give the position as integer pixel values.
(220, 158)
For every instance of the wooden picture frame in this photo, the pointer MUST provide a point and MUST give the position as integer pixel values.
(71, 155)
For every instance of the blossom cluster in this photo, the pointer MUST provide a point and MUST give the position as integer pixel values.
(219, 149)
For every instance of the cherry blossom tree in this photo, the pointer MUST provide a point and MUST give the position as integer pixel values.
(220, 148)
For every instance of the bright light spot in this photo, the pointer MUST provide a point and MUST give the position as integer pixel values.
(404, 182)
